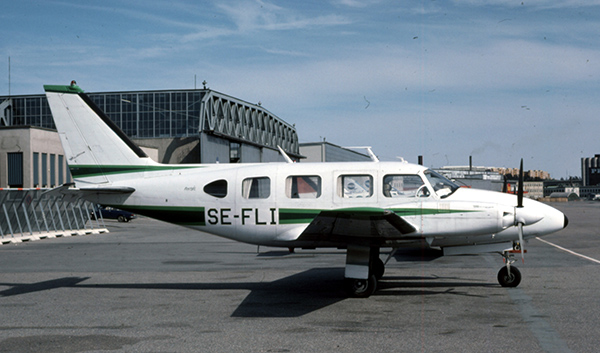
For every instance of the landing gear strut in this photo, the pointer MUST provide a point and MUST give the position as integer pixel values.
(363, 269)
(509, 276)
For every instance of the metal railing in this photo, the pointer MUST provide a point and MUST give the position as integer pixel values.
(29, 214)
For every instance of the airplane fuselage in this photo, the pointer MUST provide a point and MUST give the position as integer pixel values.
(255, 203)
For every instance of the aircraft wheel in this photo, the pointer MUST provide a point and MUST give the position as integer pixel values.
(361, 288)
(509, 280)
(378, 268)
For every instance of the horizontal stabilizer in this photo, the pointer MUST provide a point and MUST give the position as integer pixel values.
(73, 194)
(109, 190)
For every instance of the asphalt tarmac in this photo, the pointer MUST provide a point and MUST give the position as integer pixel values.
(148, 286)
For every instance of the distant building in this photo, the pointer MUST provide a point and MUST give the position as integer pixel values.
(33, 157)
(475, 177)
(527, 174)
(590, 192)
(328, 152)
(533, 189)
(590, 170)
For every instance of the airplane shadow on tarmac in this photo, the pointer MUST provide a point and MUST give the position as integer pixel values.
(292, 296)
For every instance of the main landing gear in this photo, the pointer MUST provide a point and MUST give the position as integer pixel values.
(363, 269)
(509, 276)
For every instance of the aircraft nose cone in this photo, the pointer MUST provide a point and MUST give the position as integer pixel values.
(566, 222)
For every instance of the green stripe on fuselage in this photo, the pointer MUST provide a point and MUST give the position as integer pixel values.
(426, 211)
(301, 216)
(86, 171)
(184, 216)
(295, 216)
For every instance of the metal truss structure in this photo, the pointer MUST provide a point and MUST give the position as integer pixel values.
(228, 116)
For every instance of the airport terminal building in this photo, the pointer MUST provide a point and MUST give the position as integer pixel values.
(173, 126)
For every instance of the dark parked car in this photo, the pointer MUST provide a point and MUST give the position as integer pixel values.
(112, 213)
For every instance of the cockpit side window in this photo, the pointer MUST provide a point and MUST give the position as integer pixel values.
(217, 188)
(397, 186)
(442, 186)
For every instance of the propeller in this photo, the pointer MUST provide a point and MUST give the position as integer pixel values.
(519, 220)
(520, 186)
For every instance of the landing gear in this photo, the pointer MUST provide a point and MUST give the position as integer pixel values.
(363, 269)
(361, 288)
(377, 268)
(509, 276)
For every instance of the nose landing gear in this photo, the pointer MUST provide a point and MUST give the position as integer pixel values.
(509, 276)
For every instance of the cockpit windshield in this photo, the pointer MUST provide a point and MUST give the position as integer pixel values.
(442, 186)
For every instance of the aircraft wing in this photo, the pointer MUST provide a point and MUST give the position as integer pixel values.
(369, 226)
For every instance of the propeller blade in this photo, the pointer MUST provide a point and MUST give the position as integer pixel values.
(520, 187)
(521, 242)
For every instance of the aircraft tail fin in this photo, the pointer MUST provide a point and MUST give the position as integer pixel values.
(95, 148)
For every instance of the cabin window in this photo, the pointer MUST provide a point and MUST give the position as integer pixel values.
(303, 187)
(217, 188)
(256, 188)
(404, 186)
(355, 186)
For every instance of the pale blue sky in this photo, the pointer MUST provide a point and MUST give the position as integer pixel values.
(498, 80)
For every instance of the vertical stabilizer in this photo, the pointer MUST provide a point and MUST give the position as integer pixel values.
(95, 148)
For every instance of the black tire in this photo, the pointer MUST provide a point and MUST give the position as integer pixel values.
(509, 280)
(122, 219)
(361, 288)
(378, 268)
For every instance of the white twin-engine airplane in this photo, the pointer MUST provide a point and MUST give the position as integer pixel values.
(361, 207)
